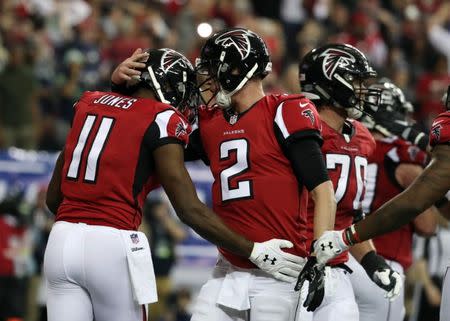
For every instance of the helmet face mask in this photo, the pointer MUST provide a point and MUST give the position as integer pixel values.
(231, 58)
(172, 78)
(335, 74)
(392, 108)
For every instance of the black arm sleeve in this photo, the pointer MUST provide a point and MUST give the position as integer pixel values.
(307, 161)
(195, 150)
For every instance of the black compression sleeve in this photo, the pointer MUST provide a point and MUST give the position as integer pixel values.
(195, 150)
(307, 161)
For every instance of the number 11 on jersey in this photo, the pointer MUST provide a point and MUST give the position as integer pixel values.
(95, 151)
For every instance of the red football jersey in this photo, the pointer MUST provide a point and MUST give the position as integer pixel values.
(255, 190)
(346, 156)
(382, 186)
(108, 168)
(440, 130)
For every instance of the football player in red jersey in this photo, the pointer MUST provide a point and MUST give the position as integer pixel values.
(119, 149)
(264, 154)
(428, 188)
(392, 168)
(335, 75)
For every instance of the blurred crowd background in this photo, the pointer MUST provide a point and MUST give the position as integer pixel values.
(53, 50)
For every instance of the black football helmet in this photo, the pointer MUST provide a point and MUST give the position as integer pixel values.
(172, 78)
(334, 74)
(392, 111)
(230, 58)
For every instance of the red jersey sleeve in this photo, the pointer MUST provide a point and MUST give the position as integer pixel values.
(168, 127)
(412, 154)
(298, 118)
(440, 130)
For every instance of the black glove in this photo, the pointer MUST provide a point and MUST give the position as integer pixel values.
(314, 273)
(393, 123)
(382, 274)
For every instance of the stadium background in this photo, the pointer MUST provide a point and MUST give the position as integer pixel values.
(53, 50)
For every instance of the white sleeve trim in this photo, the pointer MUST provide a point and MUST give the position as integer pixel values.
(162, 120)
(280, 121)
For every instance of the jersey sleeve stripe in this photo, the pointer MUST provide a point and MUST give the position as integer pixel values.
(280, 121)
(162, 120)
(394, 155)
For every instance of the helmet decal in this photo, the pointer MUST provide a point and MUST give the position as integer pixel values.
(238, 39)
(334, 58)
(171, 58)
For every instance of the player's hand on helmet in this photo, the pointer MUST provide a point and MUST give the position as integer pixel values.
(314, 273)
(329, 245)
(127, 68)
(382, 275)
(270, 257)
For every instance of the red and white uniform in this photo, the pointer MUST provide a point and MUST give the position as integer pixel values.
(106, 176)
(256, 193)
(255, 190)
(108, 168)
(395, 247)
(346, 157)
(440, 134)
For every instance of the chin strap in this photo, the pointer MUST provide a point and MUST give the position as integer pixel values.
(224, 98)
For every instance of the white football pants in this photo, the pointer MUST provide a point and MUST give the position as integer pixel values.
(445, 300)
(234, 294)
(87, 275)
(339, 301)
(372, 304)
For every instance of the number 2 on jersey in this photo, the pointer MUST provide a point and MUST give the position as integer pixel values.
(95, 152)
(244, 188)
(345, 162)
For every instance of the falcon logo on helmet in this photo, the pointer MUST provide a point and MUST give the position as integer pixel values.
(334, 58)
(436, 132)
(236, 38)
(171, 58)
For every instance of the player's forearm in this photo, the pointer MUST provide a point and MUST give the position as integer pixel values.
(425, 224)
(324, 208)
(208, 225)
(429, 187)
(54, 195)
(361, 249)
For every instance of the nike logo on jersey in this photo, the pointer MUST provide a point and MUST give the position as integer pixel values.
(303, 105)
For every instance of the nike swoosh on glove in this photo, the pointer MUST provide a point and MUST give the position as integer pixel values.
(389, 280)
(314, 273)
(270, 257)
(329, 245)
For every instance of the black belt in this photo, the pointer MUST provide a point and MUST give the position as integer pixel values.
(343, 266)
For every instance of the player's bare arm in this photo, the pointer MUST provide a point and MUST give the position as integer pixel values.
(54, 195)
(428, 188)
(169, 164)
(175, 179)
(324, 208)
(425, 223)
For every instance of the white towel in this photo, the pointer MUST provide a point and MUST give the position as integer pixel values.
(140, 266)
(234, 291)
